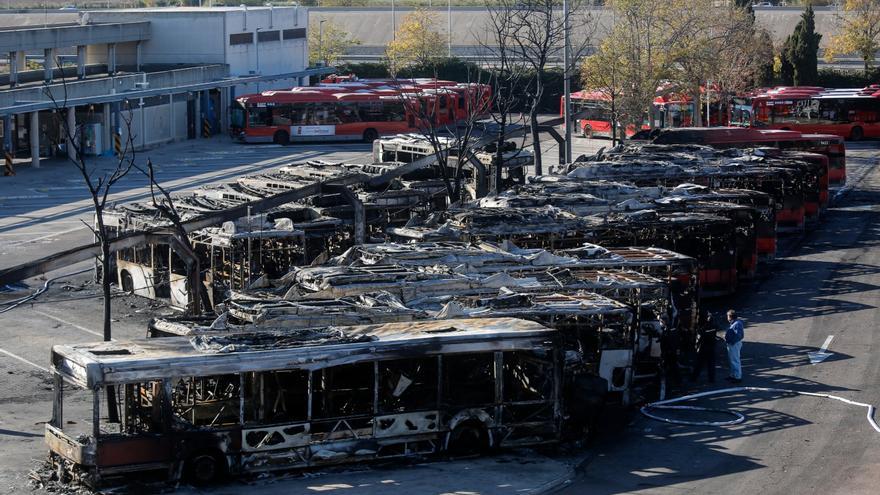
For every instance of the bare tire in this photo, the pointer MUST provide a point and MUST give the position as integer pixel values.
(370, 135)
(468, 438)
(856, 134)
(127, 282)
(281, 138)
(204, 469)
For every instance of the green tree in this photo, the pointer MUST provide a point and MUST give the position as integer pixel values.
(328, 42)
(802, 50)
(416, 42)
(858, 31)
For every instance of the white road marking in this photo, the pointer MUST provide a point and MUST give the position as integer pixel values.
(822, 354)
(23, 360)
(65, 322)
(54, 234)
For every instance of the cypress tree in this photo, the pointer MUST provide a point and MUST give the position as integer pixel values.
(802, 50)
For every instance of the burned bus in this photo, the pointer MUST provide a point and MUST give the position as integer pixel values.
(244, 403)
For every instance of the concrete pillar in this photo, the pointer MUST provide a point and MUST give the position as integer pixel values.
(197, 114)
(48, 64)
(7, 133)
(111, 58)
(143, 124)
(81, 62)
(138, 56)
(224, 110)
(13, 69)
(107, 129)
(35, 139)
(72, 133)
(171, 117)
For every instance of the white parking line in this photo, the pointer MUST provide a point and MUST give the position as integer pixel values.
(65, 322)
(23, 360)
(40, 238)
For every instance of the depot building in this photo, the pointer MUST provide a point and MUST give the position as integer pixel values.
(152, 75)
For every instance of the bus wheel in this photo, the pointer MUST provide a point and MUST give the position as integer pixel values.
(467, 439)
(127, 282)
(281, 138)
(370, 135)
(204, 468)
(587, 132)
(856, 134)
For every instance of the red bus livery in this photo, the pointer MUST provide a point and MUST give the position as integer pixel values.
(354, 110)
(849, 113)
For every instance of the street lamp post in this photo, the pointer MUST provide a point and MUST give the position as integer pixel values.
(566, 55)
(257, 51)
(321, 56)
(449, 28)
(393, 22)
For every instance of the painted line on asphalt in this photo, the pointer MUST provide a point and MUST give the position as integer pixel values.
(40, 238)
(65, 322)
(23, 360)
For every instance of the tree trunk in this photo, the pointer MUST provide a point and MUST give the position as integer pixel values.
(613, 122)
(105, 270)
(533, 121)
(536, 141)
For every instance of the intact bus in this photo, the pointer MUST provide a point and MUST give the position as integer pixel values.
(284, 116)
(849, 113)
(829, 145)
(594, 114)
(226, 404)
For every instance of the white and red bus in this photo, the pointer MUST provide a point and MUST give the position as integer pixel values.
(594, 107)
(849, 113)
(287, 116)
(354, 111)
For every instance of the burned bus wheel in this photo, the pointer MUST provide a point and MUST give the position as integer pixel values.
(204, 469)
(127, 282)
(370, 135)
(281, 138)
(468, 438)
(856, 134)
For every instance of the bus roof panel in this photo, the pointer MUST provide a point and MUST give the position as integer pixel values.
(94, 365)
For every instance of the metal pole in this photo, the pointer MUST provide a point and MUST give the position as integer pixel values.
(708, 110)
(567, 83)
(393, 22)
(449, 27)
(321, 42)
(257, 50)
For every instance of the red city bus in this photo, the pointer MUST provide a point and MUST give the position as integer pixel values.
(849, 113)
(594, 108)
(284, 116)
(354, 110)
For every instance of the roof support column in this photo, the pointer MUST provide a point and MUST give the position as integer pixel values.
(81, 62)
(72, 133)
(48, 64)
(111, 58)
(106, 131)
(138, 56)
(224, 110)
(35, 139)
(7, 133)
(197, 114)
(171, 117)
(13, 69)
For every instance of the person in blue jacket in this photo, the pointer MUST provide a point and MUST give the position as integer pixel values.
(733, 338)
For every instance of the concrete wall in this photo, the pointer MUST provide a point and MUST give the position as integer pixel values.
(373, 26)
(155, 127)
(193, 35)
(276, 57)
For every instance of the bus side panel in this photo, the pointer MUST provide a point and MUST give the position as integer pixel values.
(134, 450)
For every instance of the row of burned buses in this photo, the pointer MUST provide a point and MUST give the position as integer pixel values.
(373, 324)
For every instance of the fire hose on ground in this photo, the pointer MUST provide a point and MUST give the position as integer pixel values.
(669, 404)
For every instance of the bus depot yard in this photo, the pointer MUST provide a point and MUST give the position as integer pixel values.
(349, 316)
